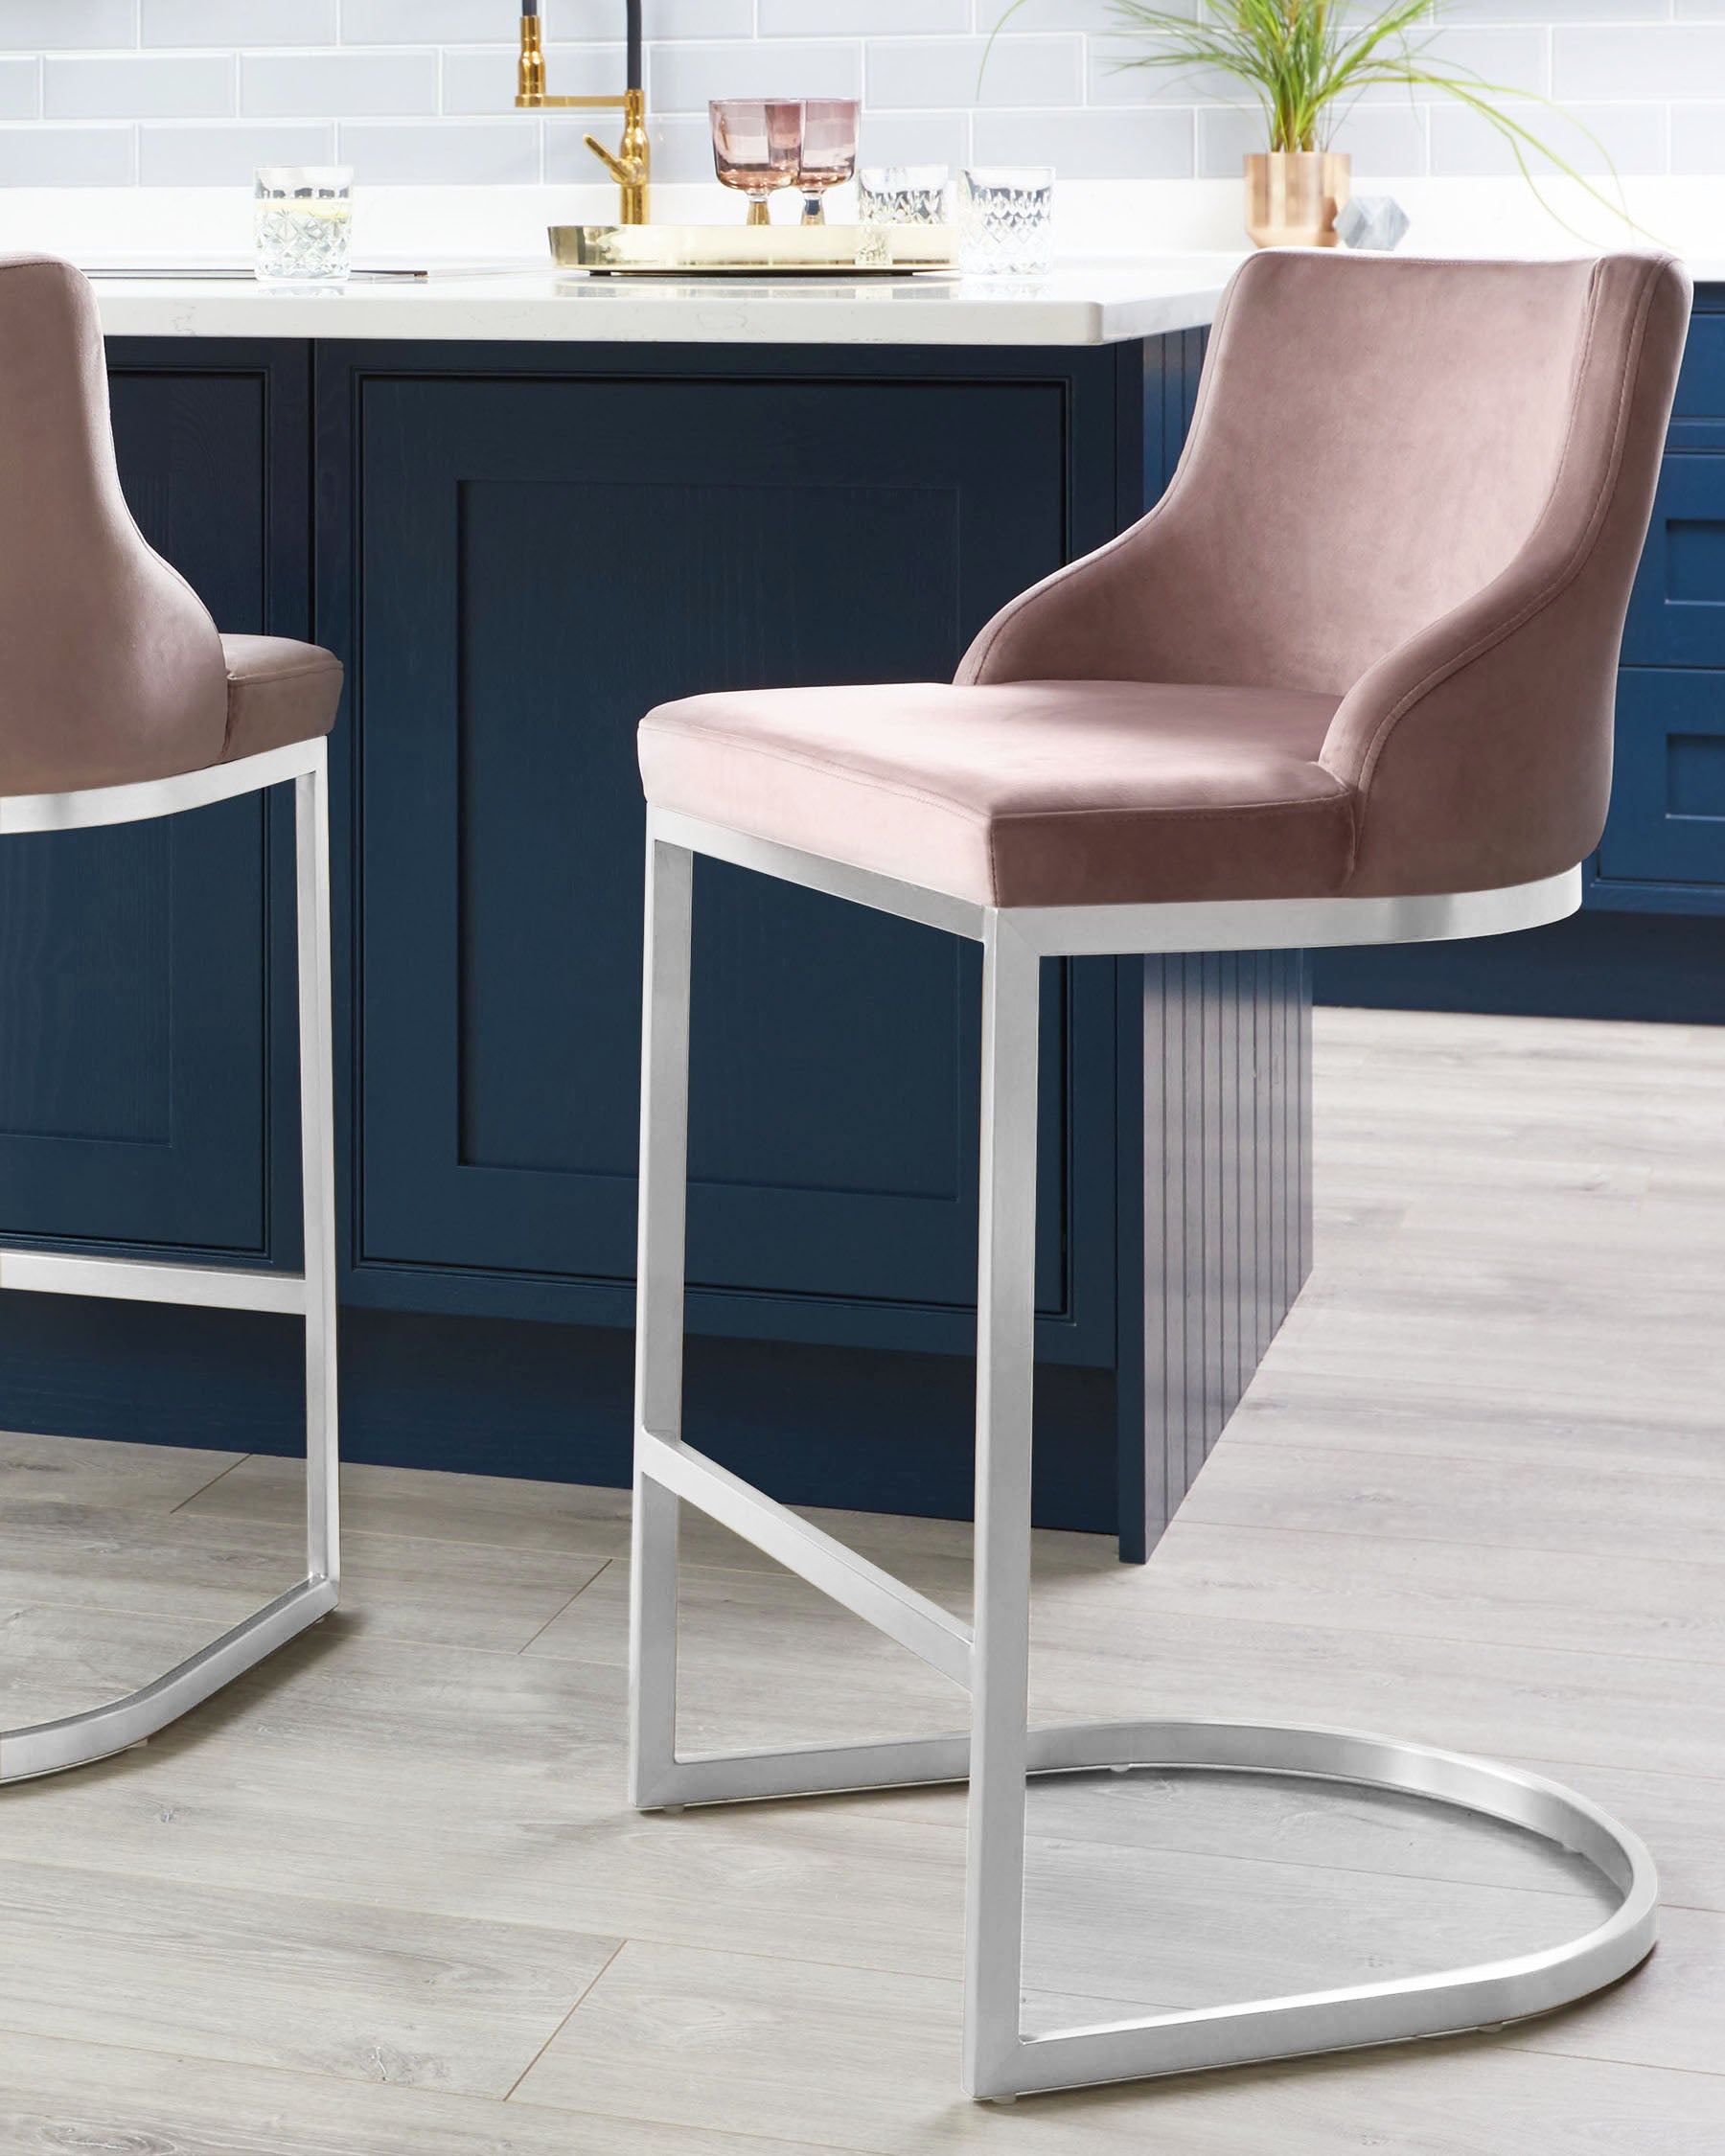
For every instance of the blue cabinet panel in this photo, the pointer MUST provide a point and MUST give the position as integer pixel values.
(139, 1026)
(1698, 410)
(1664, 848)
(1667, 803)
(1677, 614)
(541, 562)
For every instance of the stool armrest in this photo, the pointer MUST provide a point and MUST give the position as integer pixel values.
(1481, 746)
(1095, 620)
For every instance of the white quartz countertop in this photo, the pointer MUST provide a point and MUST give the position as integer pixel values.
(1137, 260)
(1092, 301)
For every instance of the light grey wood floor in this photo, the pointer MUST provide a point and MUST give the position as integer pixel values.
(385, 1898)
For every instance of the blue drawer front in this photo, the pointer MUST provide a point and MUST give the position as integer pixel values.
(1698, 412)
(1667, 803)
(1677, 614)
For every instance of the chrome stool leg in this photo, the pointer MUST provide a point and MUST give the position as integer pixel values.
(660, 1332)
(1000, 1653)
(1001, 1751)
(46, 1747)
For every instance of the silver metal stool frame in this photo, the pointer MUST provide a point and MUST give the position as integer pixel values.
(992, 1659)
(47, 1747)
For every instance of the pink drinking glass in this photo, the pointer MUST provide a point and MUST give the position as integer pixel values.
(829, 151)
(757, 146)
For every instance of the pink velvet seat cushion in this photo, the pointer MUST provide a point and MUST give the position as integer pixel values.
(1024, 792)
(278, 692)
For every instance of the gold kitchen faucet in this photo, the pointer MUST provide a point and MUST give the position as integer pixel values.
(628, 164)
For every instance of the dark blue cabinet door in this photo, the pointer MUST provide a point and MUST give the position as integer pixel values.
(542, 560)
(135, 978)
(1677, 614)
(1665, 839)
(1668, 802)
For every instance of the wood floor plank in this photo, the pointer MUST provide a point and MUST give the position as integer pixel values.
(837, 2056)
(57, 2097)
(215, 1571)
(1669, 2014)
(1455, 1590)
(280, 1980)
(573, 1519)
(1510, 1596)
(588, 1520)
(1602, 1512)
(852, 1879)
(1679, 1817)
(1448, 1419)
(1475, 1497)
(1125, 1645)
(47, 1478)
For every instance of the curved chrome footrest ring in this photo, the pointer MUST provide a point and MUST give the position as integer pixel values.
(1442, 2003)
(46, 1748)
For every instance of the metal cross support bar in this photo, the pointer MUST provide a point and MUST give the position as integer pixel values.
(46, 1747)
(215, 1287)
(864, 1589)
(1001, 1749)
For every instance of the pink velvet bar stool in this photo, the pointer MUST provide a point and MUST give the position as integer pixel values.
(121, 701)
(1351, 681)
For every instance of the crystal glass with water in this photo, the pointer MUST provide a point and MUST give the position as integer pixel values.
(303, 219)
(1006, 220)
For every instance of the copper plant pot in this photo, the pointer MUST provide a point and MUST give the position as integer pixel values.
(1292, 196)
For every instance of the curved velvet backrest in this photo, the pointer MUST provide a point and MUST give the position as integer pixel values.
(113, 669)
(1420, 486)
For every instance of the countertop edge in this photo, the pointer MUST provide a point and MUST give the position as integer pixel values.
(482, 311)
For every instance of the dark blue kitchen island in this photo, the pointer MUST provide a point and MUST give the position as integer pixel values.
(517, 545)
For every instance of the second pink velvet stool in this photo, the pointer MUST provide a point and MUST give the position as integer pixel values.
(1350, 683)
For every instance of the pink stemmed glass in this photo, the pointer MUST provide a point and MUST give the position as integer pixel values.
(757, 146)
(829, 151)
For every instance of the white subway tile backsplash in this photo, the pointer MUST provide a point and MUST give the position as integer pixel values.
(910, 72)
(685, 76)
(442, 154)
(1698, 138)
(1385, 141)
(48, 156)
(1112, 81)
(916, 138)
(1562, 11)
(439, 22)
(859, 18)
(20, 88)
(1651, 61)
(1155, 143)
(226, 153)
(49, 26)
(235, 23)
(336, 86)
(682, 148)
(1095, 17)
(480, 81)
(139, 85)
(192, 88)
(1592, 139)
(695, 18)
(1510, 56)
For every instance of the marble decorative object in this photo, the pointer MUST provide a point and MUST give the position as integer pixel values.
(1377, 223)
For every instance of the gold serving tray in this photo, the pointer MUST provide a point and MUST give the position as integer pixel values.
(755, 250)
